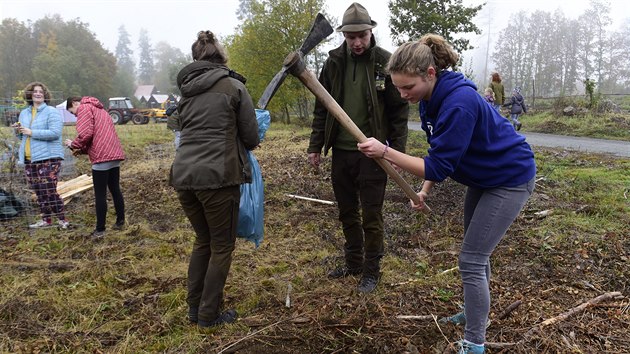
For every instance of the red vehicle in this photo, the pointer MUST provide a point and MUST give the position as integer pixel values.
(122, 111)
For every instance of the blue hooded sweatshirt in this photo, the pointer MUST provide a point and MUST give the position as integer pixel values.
(469, 140)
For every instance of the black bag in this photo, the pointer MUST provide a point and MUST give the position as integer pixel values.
(10, 206)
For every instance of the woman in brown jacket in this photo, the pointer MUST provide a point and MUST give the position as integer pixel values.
(498, 89)
(218, 126)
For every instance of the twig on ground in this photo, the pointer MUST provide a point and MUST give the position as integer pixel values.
(252, 335)
(288, 300)
(550, 289)
(327, 202)
(417, 280)
(605, 297)
(440, 328)
(499, 346)
(413, 317)
(509, 309)
(405, 282)
(450, 270)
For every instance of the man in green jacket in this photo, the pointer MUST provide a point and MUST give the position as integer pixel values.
(354, 74)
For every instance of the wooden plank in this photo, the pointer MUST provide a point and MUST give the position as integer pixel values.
(68, 187)
(75, 191)
(73, 183)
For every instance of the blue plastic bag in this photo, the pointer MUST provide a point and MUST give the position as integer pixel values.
(264, 119)
(251, 210)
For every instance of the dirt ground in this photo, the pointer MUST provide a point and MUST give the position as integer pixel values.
(544, 271)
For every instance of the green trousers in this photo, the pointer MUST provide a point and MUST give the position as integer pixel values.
(214, 216)
(359, 185)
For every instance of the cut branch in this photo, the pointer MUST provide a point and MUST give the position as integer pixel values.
(327, 202)
(509, 309)
(412, 317)
(616, 295)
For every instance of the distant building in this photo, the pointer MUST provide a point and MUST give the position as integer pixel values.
(144, 93)
(149, 97)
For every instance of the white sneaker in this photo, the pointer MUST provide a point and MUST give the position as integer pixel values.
(64, 224)
(40, 224)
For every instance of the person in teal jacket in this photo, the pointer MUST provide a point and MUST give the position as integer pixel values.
(39, 128)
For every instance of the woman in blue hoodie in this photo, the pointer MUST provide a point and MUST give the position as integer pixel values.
(474, 145)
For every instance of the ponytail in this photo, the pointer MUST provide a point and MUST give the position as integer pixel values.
(414, 58)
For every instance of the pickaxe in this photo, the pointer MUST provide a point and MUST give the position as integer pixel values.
(294, 64)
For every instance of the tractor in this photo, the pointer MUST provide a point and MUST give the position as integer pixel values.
(122, 111)
(157, 114)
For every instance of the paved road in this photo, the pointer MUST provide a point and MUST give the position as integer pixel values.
(603, 146)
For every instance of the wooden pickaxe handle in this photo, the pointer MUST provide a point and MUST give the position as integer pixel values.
(310, 81)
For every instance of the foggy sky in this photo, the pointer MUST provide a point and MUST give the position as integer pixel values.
(177, 22)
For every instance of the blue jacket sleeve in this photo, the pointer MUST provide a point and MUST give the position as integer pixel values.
(448, 143)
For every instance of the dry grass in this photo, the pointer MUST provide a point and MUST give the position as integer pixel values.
(62, 292)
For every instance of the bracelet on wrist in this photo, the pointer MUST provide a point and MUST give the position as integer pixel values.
(384, 151)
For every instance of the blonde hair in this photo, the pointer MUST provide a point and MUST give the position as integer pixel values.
(489, 90)
(414, 58)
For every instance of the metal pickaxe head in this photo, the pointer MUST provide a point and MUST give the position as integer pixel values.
(319, 31)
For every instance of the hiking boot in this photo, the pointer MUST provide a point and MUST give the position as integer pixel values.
(466, 347)
(342, 272)
(228, 316)
(119, 226)
(193, 314)
(97, 235)
(40, 224)
(367, 284)
(458, 319)
(518, 126)
(64, 224)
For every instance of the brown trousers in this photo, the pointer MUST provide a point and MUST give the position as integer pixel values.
(214, 216)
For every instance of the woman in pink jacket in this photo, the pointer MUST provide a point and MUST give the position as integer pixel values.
(97, 137)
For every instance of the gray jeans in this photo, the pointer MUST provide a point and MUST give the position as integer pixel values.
(488, 213)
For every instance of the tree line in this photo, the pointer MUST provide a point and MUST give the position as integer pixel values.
(550, 55)
(68, 58)
(545, 53)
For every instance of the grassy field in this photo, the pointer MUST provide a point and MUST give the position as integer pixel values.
(62, 292)
(610, 126)
(549, 119)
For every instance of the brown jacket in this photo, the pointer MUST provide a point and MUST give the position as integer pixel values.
(218, 126)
